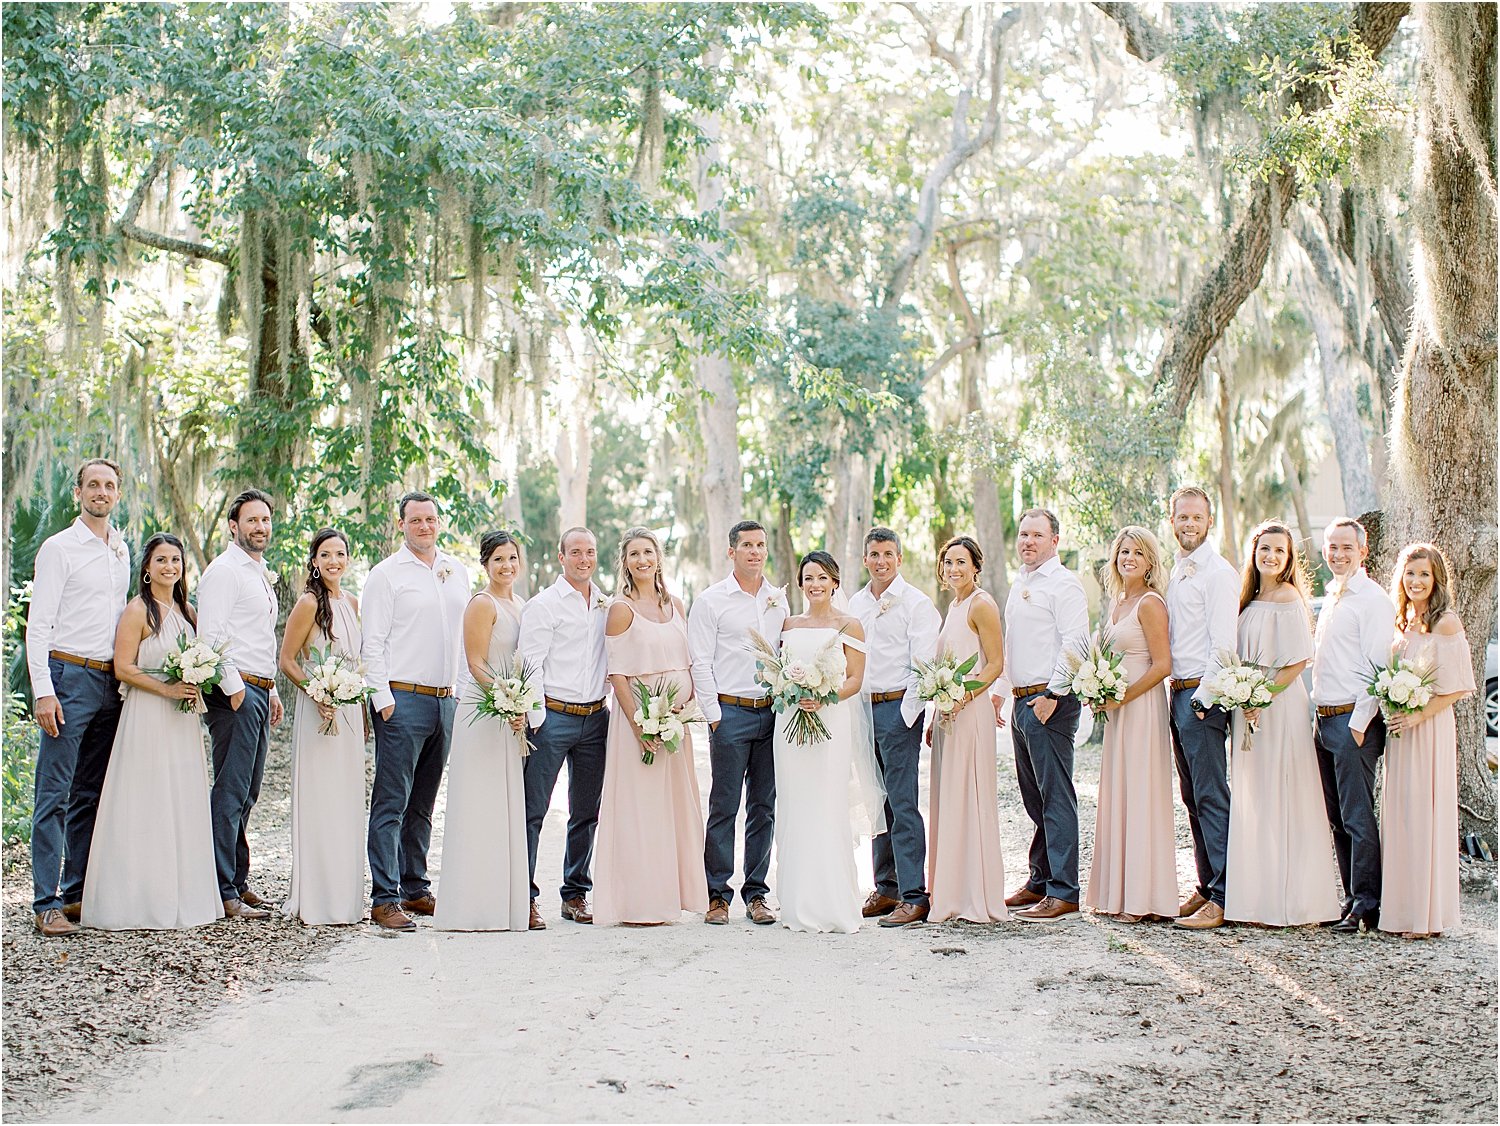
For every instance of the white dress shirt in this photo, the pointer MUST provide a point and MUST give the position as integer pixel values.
(1356, 630)
(413, 622)
(719, 626)
(237, 604)
(77, 597)
(901, 627)
(1046, 617)
(562, 632)
(1203, 610)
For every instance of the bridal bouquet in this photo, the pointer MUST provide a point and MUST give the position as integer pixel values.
(945, 681)
(513, 691)
(1241, 684)
(194, 662)
(1096, 674)
(662, 720)
(792, 680)
(1403, 687)
(335, 680)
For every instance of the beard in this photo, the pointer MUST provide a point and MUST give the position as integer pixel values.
(1190, 541)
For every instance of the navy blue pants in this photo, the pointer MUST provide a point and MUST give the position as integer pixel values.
(744, 765)
(900, 853)
(411, 749)
(1198, 745)
(578, 740)
(1044, 768)
(240, 741)
(1349, 773)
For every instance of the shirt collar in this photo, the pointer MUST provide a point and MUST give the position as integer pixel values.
(85, 533)
(406, 555)
(1200, 554)
(895, 592)
(243, 558)
(1355, 582)
(731, 586)
(1052, 564)
(561, 583)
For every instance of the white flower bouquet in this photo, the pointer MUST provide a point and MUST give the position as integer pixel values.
(790, 681)
(335, 680)
(662, 720)
(513, 691)
(196, 662)
(1096, 674)
(1242, 684)
(1402, 687)
(945, 682)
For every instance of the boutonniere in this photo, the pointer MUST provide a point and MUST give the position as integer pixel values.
(601, 603)
(773, 600)
(1026, 594)
(885, 604)
(444, 572)
(118, 547)
(1189, 568)
(273, 577)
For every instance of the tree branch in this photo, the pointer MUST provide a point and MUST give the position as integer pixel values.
(1143, 39)
(128, 228)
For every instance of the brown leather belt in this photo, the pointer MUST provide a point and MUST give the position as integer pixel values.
(745, 701)
(1337, 709)
(1187, 684)
(887, 697)
(265, 682)
(83, 662)
(419, 689)
(1027, 690)
(574, 709)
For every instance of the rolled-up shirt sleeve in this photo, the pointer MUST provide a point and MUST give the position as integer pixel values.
(217, 594)
(702, 642)
(922, 628)
(376, 608)
(41, 618)
(1223, 610)
(1377, 637)
(536, 640)
(1071, 612)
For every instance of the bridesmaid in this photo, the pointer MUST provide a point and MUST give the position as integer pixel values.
(649, 865)
(152, 859)
(1280, 869)
(966, 873)
(484, 880)
(1134, 872)
(1419, 802)
(328, 771)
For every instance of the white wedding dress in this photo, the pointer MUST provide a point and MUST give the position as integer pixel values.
(819, 799)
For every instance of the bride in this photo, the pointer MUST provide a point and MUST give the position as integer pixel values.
(817, 883)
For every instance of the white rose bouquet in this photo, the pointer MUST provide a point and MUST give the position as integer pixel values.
(196, 662)
(1403, 687)
(335, 680)
(1096, 674)
(945, 682)
(662, 720)
(790, 681)
(1242, 684)
(513, 691)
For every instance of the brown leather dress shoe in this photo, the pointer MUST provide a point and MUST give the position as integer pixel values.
(577, 909)
(758, 913)
(391, 917)
(1023, 897)
(1049, 910)
(1208, 916)
(906, 915)
(537, 923)
(52, 923)
(877, 905)
(72, 911)
(1190, 905)
(718, 913)
(250, 899)
(239, 909)
(422, 905)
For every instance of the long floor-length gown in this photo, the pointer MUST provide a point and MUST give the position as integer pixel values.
(648, 863)
(1280, 869)
(484, 884)
(1419, 803)
(966, 873)
(817, 883)
(328, 796)
(1134, 871)
(151, 865)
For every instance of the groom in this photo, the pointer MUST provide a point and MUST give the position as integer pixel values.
(901, 627)
(740, 720)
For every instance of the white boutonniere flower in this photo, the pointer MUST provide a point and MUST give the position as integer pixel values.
(444, 572)
(118, 547)
(773, 600)
(601, 603)
(1189, 568)
(273, 577)
(885, 604)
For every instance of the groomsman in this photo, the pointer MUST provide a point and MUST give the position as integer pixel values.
(237, 606)
(1046, 617)
(413, 632)
(1354, 635)
(1202, 616)
(77, 596)
(901, 626)
(740, 720)
(562, 633)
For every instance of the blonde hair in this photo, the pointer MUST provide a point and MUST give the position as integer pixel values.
(1190, 491)
(626, 583)
(1156, 576)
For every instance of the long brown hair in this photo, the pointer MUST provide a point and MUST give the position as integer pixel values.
(1441, 598)
(626, 583)
(1294, 573)
(322, 607)
(179, 588)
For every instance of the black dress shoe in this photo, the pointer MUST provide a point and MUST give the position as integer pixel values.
(1355, 922)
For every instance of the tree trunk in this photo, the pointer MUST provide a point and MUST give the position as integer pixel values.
(1228, 521)
(1443, 442)
(1350, 439)
(1307, 540)
(574, 455)
(784, 557)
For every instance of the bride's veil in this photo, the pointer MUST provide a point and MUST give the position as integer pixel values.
(867, 781)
